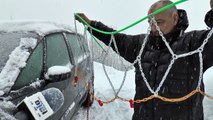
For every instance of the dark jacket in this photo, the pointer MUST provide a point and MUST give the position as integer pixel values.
(182, 78)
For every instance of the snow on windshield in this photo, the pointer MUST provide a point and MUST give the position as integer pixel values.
(17, 60)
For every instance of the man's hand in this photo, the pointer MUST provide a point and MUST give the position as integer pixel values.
(211, 4)
(84, 17)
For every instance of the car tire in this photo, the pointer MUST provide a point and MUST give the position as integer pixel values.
(89, 99)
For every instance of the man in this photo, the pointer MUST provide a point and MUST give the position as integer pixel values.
(155, 59)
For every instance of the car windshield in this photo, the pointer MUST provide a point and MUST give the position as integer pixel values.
(8, 42)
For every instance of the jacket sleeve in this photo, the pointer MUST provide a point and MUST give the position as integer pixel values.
(127, 44)
(199, 37)
(208, 49)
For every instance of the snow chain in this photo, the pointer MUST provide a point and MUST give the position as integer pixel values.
(138, 61)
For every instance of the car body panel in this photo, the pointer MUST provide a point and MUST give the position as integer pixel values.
(49, 52)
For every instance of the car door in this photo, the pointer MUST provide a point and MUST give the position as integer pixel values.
(57, 54)
(87, 62)
(80, 59)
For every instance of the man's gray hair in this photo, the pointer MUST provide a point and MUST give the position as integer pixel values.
(171, 10)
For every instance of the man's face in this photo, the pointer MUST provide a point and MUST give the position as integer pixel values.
(165, 20)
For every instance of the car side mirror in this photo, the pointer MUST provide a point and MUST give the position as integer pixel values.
(58, 73)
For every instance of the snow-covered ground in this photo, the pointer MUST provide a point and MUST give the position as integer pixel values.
(120, 110)
(208, 104)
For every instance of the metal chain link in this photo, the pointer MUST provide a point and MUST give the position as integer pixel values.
(162, 36)
(126, 68)
(139, 60)
(174, 57)
(92, 47)
(105, 72)
(201, 70)
(201, 48)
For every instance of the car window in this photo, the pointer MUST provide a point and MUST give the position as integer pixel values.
(33, 68)
(76, 47)
(84, 44)
(57, 53)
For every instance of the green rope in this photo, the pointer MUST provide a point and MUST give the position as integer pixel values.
(133, 24)
(98, 43)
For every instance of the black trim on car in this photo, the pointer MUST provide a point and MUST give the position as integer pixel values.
(44, 69)
(71, 56)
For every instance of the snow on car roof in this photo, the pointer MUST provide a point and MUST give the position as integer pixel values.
(40, 27)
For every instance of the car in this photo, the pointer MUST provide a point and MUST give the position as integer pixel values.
(37, 55)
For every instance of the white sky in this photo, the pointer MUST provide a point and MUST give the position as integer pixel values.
(115, 13)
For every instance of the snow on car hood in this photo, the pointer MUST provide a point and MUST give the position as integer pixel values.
(7, 108)
(40, 27)
(17, 60)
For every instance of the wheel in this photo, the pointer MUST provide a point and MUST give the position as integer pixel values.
(89, 99)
